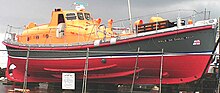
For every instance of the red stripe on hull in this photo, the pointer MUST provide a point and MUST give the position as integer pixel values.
(176, 69)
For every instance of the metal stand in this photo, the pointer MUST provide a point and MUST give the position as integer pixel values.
(26, 71)
(218, 84)
(135, 68)
(218, 91)
(85, 75)
(218, 63)
(161, 72)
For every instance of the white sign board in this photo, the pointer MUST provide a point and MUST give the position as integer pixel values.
(68, 81)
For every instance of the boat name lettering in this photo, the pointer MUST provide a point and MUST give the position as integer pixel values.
(175, 39)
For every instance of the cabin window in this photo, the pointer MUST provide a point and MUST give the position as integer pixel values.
(37, 37)
(28, 38)
(61, 19)
(71, 16)
(87, 16)
(80, 16)
(47, 36)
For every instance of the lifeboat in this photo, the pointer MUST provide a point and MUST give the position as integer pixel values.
(74, 37)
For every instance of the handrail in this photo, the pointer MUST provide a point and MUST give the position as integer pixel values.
(154, 26)
(195, 13)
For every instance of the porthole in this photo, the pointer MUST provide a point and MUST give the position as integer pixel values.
(37, 37)
(47, 36)
(28, 38)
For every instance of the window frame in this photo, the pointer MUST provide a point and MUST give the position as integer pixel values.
(86, 16)
(72, 17)
(80, 17)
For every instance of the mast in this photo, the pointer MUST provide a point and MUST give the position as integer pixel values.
(129, 11)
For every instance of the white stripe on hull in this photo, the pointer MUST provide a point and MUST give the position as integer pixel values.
(129, 56)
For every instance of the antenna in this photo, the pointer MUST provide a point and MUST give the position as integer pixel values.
(80, 5)
(129, 10)
(205, 14)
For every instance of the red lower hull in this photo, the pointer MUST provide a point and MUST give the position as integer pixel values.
(176, 69)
